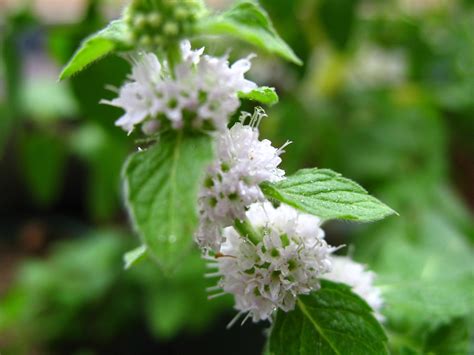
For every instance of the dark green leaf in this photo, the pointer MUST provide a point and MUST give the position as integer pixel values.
(161, 187)
(264, 95)
(452, 338)
(179, 303)
(332, 320)
(95, 47)
(337, 18)
(249, 22)
(327, 194)
(43, 158)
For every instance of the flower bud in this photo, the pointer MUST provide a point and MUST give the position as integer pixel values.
(145, 19)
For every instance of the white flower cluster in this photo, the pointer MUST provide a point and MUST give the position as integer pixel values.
(201, 92)
(288, 261)
(265, 256)
(232, 184)
(361, 280)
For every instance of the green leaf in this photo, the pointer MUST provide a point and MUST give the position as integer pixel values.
(327, 194)
(161, 188)
(95, 47)
(265, 95)
(423, 260)
(424, 269)
(337, 17)
(134, 256)
(247, 21)
(452, 338)
(332, 320)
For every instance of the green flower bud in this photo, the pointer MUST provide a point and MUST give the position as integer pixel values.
(181, 13)
(146, 41)
(154, 19)
(162, 22)
(139, 21)
(171, 28)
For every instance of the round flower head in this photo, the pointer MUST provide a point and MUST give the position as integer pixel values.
(202, 93)
(232, 184)
(161, 23)
(361, 280)
(288, 261)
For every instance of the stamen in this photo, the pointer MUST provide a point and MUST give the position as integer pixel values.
(213, 274)
(257, 117)
(209, 258)
(280, 150)
(243, 117)
(232, 322)
(245, 319)
(213, 288)
(112, 88)
(216, 295)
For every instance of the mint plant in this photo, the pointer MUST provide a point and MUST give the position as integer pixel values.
(198, 177)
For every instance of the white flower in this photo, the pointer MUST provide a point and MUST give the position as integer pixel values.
(288, 261)
(361, 280)
(201, 93)
(232, 183)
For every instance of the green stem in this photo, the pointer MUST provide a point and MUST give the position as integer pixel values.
(173, 56)
(246, 230)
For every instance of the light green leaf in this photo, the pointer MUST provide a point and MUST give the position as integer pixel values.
(161, 187)
(425, 271)
(332, 320)
(134, 256)
(327, 194)
(247, 21)
(265, 95)
(96, 46)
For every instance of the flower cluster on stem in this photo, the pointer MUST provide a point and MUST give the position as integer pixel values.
(200, 92)
(264, 255)
(232, 182)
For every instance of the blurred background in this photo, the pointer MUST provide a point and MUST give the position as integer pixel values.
(385, 97)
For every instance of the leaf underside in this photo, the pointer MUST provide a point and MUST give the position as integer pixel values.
(265, 95)
(247, 21)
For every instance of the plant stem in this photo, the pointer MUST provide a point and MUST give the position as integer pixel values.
(173, 56)
(246, 230)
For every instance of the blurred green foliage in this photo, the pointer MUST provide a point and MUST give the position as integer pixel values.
(83, 292)
(385, 97)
